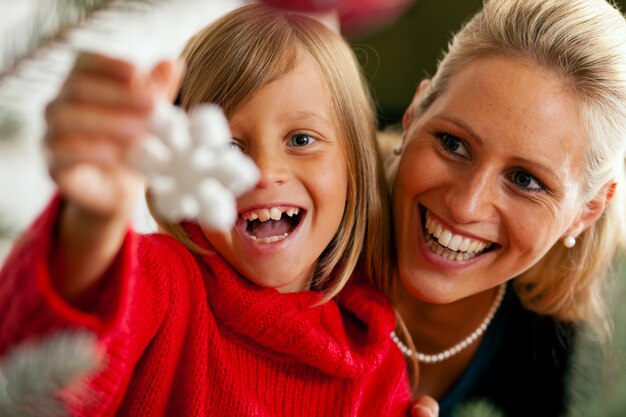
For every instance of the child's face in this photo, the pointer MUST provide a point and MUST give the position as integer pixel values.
(296, 208)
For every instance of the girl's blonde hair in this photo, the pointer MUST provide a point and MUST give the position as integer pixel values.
(584, 43)
(231, 59)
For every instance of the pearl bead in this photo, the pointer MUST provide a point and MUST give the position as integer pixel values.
(569, 241)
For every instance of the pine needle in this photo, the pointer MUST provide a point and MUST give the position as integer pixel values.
(478, 408)
(10, 124)
(38, 376)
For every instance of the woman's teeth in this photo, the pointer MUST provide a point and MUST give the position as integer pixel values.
(448, 245)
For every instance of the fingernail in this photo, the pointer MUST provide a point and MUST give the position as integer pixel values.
(424, 409)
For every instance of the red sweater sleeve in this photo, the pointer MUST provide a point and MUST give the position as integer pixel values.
(125, 314)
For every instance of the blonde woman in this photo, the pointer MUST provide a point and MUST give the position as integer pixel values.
(247, 322)
(508, 201)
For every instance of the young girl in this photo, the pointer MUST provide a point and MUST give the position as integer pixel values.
(197, 322)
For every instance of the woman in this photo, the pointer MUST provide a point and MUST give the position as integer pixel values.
(509, 202)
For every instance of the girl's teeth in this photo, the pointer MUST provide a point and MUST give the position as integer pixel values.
(270, 239)
(275, 213)
(263, 214)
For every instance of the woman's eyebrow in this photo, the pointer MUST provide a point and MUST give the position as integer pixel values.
(536, 164)
(461, 124)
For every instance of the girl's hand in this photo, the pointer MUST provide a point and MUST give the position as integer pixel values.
(100, 113)
(425, 406)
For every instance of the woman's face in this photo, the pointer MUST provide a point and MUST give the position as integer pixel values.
(489, 179)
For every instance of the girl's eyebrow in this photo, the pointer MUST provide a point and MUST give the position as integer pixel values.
(309, 115)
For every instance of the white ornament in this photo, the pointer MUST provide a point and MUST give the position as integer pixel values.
(192, 170)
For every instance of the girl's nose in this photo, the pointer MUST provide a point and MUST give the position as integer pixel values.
(273, 168)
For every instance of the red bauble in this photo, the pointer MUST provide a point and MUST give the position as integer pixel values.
(306, 5)
(356, 15)
(366, 15)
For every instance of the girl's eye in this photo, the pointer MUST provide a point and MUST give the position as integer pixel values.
(525, 181)
(301, 139)
(235, 146)
(452, 144)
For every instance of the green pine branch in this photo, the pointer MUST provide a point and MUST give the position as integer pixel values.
(10, 127)
(42, 377)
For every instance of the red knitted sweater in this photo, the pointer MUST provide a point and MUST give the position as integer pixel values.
(186, 335)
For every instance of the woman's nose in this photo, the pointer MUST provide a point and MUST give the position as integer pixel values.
(473, 197)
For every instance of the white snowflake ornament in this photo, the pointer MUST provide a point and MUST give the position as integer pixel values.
(192, 170)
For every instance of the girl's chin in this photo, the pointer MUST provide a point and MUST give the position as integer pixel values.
(285, 285)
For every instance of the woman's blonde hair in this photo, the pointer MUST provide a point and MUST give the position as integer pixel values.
(232, 58)
(584, 43)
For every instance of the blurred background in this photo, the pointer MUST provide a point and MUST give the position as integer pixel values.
(396, 57)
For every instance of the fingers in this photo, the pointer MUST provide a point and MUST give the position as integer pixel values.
(165, 78)
(100, 113)
(70, 118)
(90, 88)
(106, 192)
(425, 406)
(103, 100)
(105, 66)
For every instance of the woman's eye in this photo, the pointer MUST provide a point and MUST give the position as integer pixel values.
(525, 181)
(301, 139)
(452, 144)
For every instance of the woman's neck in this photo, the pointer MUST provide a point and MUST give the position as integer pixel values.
(437, 327)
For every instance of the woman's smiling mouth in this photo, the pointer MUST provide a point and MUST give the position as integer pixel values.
(448, 244)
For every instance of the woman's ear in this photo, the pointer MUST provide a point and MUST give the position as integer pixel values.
(407, 118)
(592, 210)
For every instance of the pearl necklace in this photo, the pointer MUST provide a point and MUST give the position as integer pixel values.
(448, 353)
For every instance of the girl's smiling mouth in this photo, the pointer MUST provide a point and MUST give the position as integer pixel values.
(450, 245)
(273, 224)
